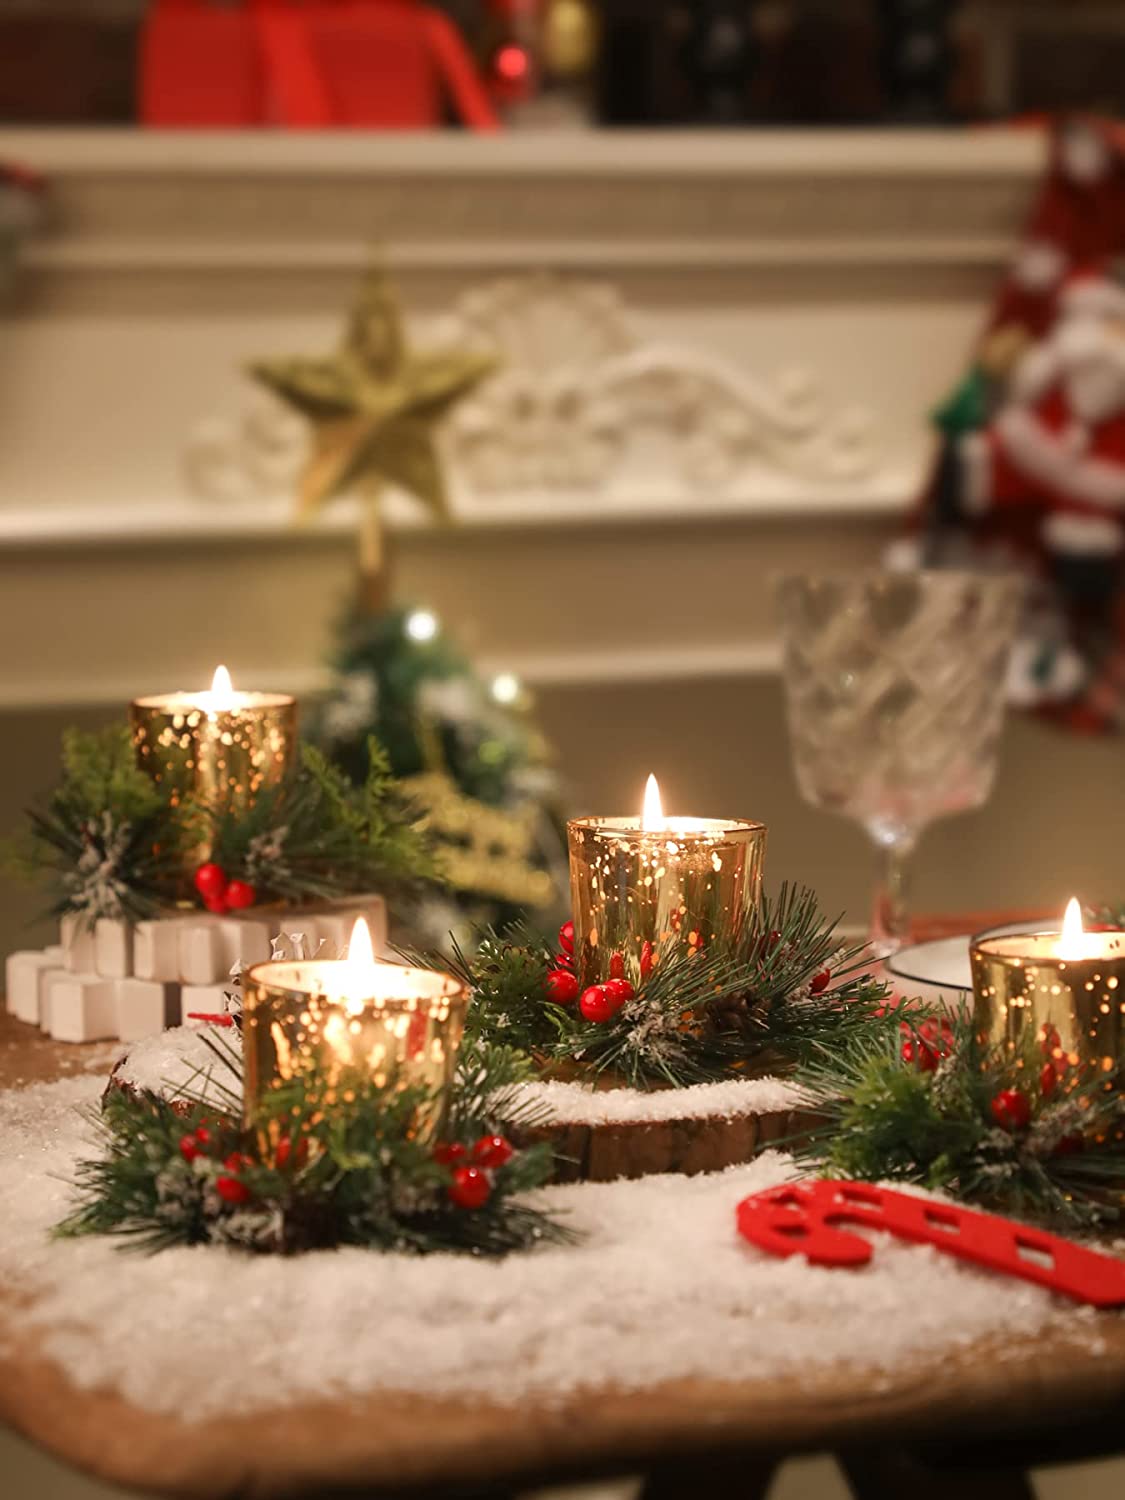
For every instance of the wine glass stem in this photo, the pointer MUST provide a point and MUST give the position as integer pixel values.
(890, 920)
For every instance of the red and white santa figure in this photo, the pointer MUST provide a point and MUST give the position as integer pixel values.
(1057, 445)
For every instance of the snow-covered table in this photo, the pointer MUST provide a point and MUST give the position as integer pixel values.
(965, 1361)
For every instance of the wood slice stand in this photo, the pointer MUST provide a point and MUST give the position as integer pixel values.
(605, 1152)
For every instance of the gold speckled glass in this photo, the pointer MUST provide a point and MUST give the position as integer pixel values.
(302, 1022)
(222, 755)
(695, 880)
(1072, 1006)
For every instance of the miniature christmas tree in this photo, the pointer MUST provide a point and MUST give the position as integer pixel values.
(466, 751)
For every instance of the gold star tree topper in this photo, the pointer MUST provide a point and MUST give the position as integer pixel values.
(374, 406)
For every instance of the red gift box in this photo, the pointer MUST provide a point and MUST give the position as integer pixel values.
(319, 64)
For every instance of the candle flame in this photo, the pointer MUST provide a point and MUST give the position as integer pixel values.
(360, 968)
(652, 815)
(221, 695)
(1070, 940)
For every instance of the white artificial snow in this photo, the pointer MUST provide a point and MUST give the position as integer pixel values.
(578, 1104)
(660, 1288)
(177, 1059)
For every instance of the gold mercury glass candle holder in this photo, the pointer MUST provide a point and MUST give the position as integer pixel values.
(632, 886)
(322, 1023)
(221, 747)
(1066, 994)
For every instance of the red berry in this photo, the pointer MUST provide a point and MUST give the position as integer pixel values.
(562, 987)
(210, 880)
(619, 990)
(597, 1004)
(617, 966)
(820, 982)
(189, 1147)
(566, 938)
(230, 1190)
(646, 959)
(240, 894)
(1011, 1109)
(470, 1187)
(285, 1154)
(493, 1151)
(216, 904)
(203, 1136)
(447, 1153)
(1048, 1080)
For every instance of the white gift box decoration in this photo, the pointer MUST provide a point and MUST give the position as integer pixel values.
(77, 939)
(146, 1006)
(113, 947)
(82, 1007)
(23, 980)
(156, 949)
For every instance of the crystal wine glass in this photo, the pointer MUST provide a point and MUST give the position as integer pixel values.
(894, 686)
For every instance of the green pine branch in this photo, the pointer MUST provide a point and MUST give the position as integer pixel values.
(884, 1117)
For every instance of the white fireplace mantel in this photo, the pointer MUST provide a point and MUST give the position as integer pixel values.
(737, 324)
(718, 353)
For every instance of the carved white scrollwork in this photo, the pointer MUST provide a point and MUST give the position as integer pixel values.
(579, 407)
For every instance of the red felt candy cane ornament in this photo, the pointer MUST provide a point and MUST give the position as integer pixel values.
(804, 1219)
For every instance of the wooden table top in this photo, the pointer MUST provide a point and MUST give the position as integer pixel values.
(390, 1443)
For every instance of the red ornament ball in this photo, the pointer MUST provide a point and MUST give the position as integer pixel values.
(619, 990)
(448, 1153)
(240, 894)
(1010, 1109)
(566, 938)
(562, 987)
(203, 1136)
(597, 1004)
(493, 1151)
(470, 1187)
(189, 1147)
(564, 961)
(210, 881)
(820, 981)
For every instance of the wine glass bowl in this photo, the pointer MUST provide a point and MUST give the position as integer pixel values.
(894, 687)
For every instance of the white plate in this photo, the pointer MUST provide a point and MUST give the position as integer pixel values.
(940, 969)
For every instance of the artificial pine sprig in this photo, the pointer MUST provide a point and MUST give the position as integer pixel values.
(178, 1170)
(106, 837)
(316, 837)
(785, 986)
(928, 1102)
(115, 846)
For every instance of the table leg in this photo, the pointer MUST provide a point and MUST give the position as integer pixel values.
(877, 1474)
(733, 1477)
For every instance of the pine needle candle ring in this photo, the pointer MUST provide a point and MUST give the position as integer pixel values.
(335, 1020)
(1067, 989)
(219, 747)
(638, 884)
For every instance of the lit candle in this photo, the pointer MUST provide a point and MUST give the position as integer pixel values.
(323, 1021)
(217, 745)
(1065, 989)
(637, 884)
